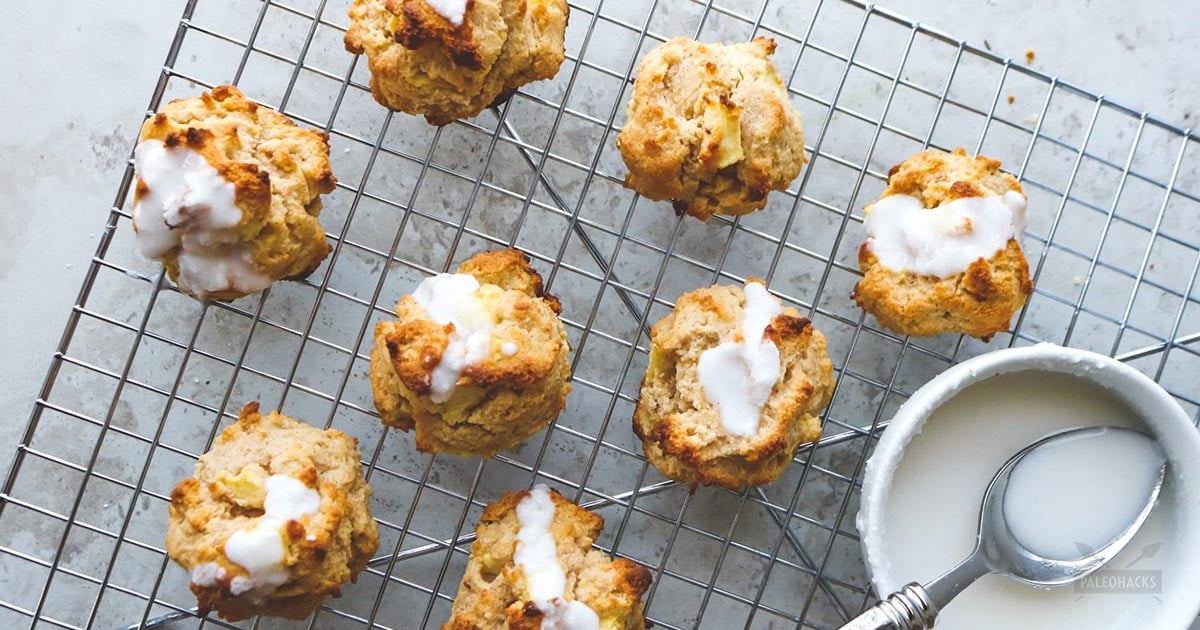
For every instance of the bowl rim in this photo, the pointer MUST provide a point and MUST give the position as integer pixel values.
(1154, 406)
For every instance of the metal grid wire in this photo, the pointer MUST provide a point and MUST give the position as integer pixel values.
(144, 377)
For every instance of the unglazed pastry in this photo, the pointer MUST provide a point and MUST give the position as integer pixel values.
(711, 128)
(274, 519)
(477, 361)
(532, 566)
(735, 384)
(449, 59)
(942, 252)
(228, 194)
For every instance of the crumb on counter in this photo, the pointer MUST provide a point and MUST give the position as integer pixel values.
(1030, 55)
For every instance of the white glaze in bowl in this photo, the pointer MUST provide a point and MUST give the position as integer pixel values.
(1157, 412)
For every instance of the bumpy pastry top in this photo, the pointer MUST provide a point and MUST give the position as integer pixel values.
(495, 591)
(485, 382)
(981, 300)
(274, 171)
(274, 519)
(711, 127)
(423, 63)
(682, 430)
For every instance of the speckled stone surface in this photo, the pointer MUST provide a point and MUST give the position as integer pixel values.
(80, 104)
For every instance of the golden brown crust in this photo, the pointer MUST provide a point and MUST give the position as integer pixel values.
(421, 63)
(681, 431)
(499, 401)
(493, 595)
(510, 270)
(278, 171)
(711, 128)
(418, 24)
(979, 301)
(225, 496)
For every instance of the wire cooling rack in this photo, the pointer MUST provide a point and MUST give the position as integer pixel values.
(144, 377)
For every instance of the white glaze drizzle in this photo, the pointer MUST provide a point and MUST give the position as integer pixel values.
(452, 298)
(942, 241)
(260, 549)
(537, 556)
(208, 574)
(738, 376)
(453, 10)
(188, 206)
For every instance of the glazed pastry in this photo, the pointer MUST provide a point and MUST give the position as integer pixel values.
(274, 519)
(448, 59)
(533, 566)
(711, 128)
(477, 361)
(735, 384)
(228, 194)
(942, 252)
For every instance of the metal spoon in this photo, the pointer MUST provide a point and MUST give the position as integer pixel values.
(915, 607)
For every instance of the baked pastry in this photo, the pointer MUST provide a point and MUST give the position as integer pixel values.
(711, 127)
(477, 361)
(736, 382)
(228, 194)
(274, 519)
(941, 254)
(532, 566)
(448, 59)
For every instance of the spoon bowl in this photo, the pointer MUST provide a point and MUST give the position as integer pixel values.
(1004, 553)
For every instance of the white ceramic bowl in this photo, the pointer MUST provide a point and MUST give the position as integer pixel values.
(1157, 411)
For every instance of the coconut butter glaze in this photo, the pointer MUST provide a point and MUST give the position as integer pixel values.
(943, 241)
